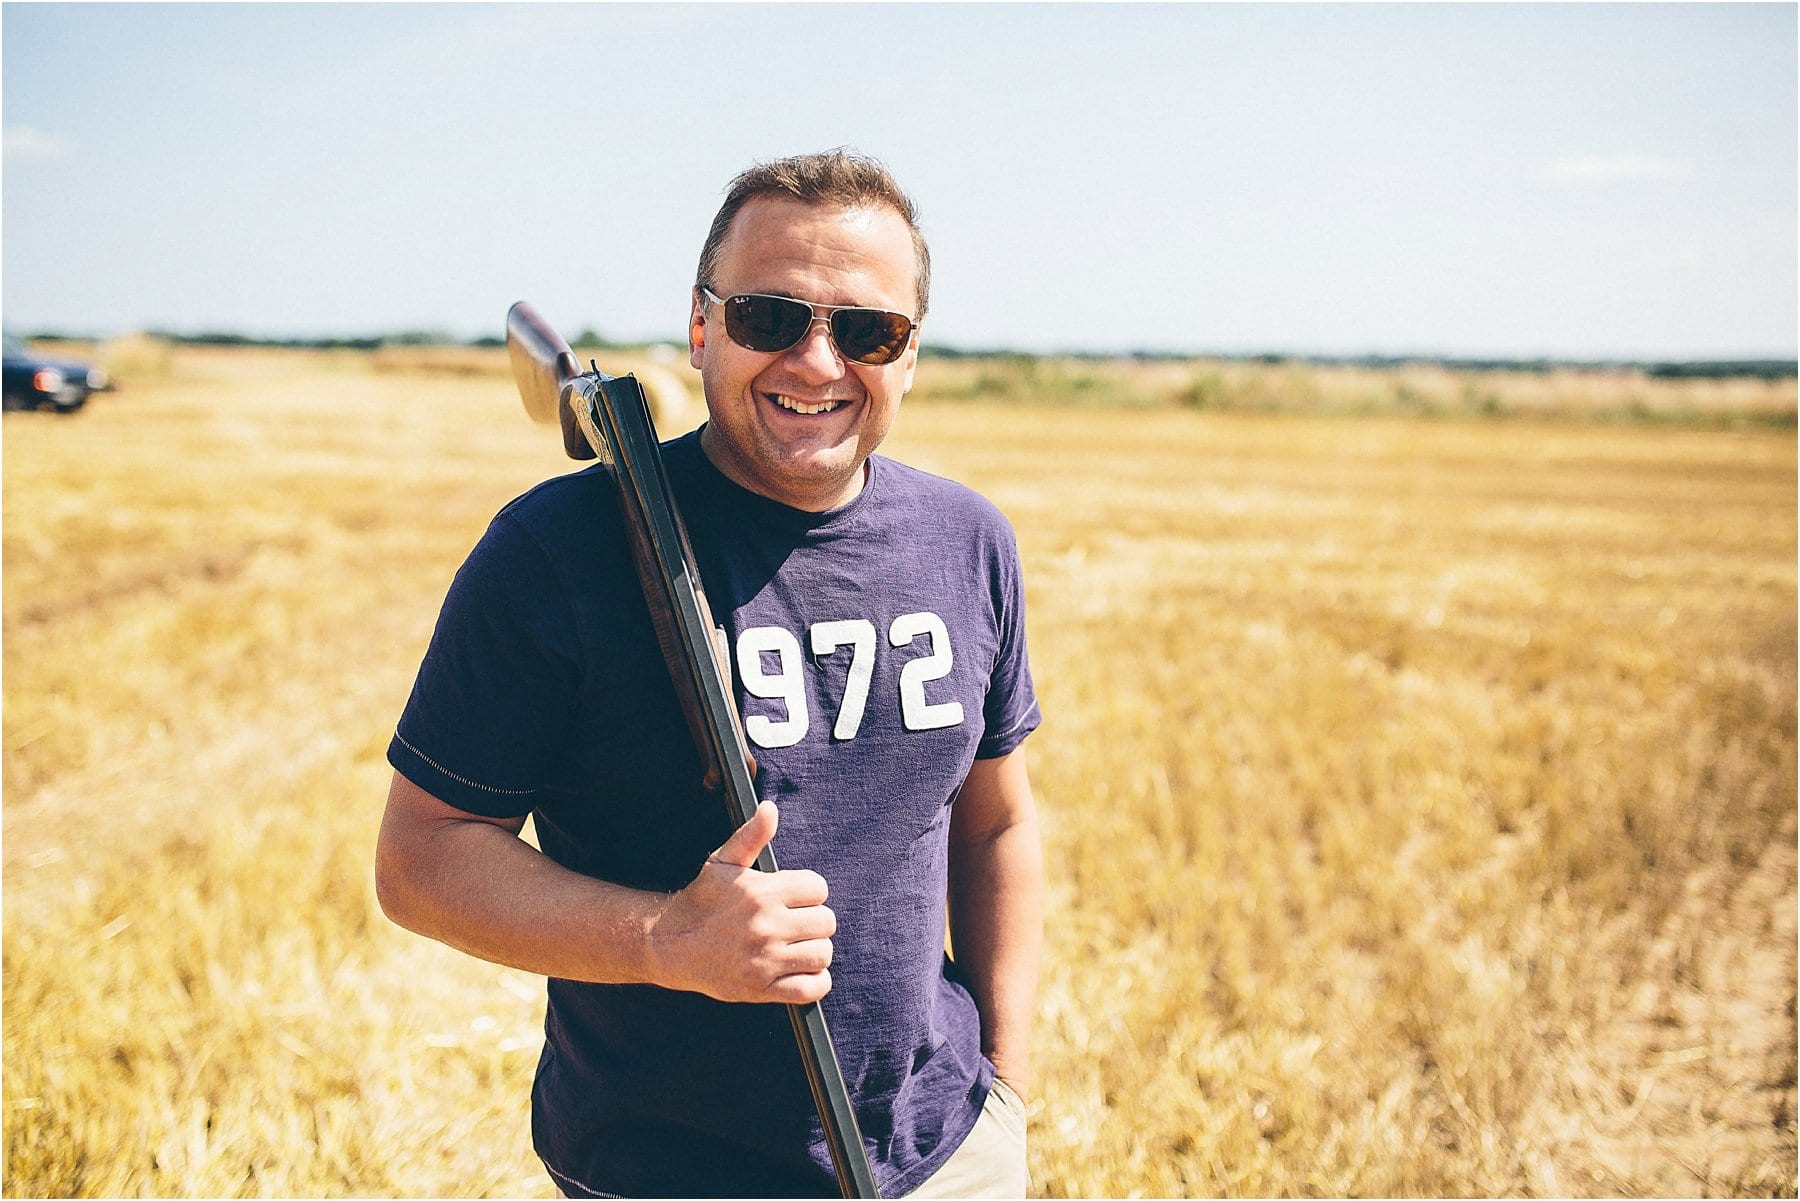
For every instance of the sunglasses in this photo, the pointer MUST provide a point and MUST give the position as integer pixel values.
(768, 324)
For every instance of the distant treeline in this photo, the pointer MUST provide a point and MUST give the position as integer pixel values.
(1767, 369)
(586, 337)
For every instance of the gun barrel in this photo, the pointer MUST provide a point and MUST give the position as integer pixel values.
(606, 416)
(684, 627)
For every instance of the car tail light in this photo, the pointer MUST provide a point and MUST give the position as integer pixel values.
(48, 380)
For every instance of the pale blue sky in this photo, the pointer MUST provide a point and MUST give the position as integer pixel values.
(1581, 181)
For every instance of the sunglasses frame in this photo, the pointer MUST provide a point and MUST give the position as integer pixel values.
(819, 312)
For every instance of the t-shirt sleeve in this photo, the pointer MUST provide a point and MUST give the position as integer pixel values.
(1011, 711)
(492, 700)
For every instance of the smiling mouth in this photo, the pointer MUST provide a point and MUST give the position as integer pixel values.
(799, 406)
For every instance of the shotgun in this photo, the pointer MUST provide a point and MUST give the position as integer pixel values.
(606, 417)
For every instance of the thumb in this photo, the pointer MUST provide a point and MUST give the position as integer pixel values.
(748, 840)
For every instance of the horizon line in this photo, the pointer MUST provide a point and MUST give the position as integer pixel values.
(443, 337)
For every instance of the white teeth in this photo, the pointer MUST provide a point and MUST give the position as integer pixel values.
(795, 406)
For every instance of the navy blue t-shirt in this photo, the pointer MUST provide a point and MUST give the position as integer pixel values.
(877, 650)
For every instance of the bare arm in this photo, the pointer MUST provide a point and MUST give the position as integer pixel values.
(734, 933)
(997, 907)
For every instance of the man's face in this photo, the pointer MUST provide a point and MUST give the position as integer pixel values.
(827, 255)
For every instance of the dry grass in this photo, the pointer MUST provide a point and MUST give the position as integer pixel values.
(1419, 795)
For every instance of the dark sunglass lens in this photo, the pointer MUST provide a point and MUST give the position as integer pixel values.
(766, 323)
(870, 336)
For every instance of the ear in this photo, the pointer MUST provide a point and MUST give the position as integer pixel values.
(911, 360)
(697, 331)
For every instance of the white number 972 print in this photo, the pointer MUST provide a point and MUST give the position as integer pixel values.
(787, 682)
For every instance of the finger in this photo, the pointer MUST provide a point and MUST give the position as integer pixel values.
(748, 840)
(803, 925)
(801, 988)
(800, 888)
(813, 955)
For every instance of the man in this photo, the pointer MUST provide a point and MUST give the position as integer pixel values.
(874, 619)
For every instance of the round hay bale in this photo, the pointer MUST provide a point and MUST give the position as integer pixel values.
(672, 405)
(137, 358)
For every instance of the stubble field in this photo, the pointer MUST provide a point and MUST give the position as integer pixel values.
(1418, 793)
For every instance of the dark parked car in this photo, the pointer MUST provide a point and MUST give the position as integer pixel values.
(35, 382)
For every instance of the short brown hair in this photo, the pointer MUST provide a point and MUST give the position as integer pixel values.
(840, 177)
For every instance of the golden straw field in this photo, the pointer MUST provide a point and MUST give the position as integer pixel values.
(1418, 777)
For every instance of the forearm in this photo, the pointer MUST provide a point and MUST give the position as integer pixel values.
(481, 889)
(996, 935)
(733, 933)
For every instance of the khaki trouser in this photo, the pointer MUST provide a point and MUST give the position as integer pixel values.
(991, 1161)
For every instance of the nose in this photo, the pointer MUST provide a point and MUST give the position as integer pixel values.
(815, 356)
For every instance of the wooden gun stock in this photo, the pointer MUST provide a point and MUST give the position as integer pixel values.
(606, 417)
(543, 365)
